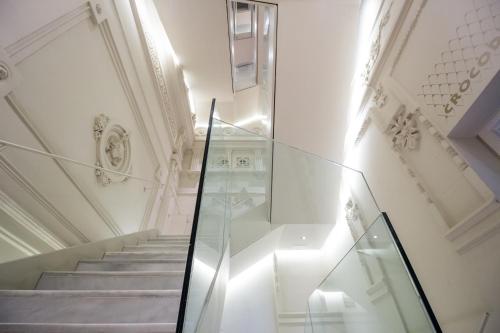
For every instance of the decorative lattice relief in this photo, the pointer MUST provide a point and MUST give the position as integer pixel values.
(474, 50)
(404, 130)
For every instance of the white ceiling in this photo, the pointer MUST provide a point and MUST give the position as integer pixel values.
(198, 32)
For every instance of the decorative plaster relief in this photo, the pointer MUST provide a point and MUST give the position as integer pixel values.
(98, 11)
(9, 76)
(460, 162)
(404, 131)
(465, 60)
(380, 98)
(407, 36)
(376, 46)
(113, 151)
(351, 211)
(161, 84)
(363, 129)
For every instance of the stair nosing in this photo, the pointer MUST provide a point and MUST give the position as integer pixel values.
(121, 262)
(92, 293)
(112, 273)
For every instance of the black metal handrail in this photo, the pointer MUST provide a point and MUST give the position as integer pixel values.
(190, 256)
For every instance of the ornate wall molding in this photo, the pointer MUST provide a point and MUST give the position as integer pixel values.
(376, 46)
(113, 151)
(161, 84)
(412, 27)
(443, 142)
(403, 129)
(22, 182)
(464, 60)
(17, 243)
(29, 44)
(28, 222)
(380, 97)
(363, 129)
(84, 191)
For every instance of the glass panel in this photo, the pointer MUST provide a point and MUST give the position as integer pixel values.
(212, 232)
(370, 290)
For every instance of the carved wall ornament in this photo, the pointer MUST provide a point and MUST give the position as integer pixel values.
(380, 99)
(4, 72)
(474, 51)
(351, 211)
(443, 142)
(407, 36)
(161, 84)
(376, 46)
(363, 129)
(113, 151)
(242, 162)
(404, 130)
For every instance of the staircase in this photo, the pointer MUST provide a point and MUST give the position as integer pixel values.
(136, 290)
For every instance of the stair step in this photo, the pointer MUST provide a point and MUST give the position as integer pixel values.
(174, 237)
(165, 242)
(144, 255)
(90, 328)
(82, 280)
(154, 248)
(79, 307)
(132, 265)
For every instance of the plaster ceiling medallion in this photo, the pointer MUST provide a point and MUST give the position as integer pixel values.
(113, 151)
(404, 131)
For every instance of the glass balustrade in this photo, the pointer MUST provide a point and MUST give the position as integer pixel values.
(251, 185)
(372, 289)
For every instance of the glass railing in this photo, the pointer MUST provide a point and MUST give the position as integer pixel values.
(250, 186)
(372, 289)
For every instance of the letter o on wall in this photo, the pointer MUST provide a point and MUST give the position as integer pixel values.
(464, 85)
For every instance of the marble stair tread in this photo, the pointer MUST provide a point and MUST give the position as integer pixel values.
(145, 255)
(164, 242)
(97, 307)
(173, 237)
(90, 328)
(82, 280)
(132, 265)
(154, 247)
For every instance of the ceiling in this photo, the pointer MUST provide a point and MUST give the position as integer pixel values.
(315, 65)
(198, 32)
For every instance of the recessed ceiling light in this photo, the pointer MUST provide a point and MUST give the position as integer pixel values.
(303, 237)
(375, 236)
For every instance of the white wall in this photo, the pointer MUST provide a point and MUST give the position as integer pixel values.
(68, 62)
(250, 306)
(315, 63)
(439, 207)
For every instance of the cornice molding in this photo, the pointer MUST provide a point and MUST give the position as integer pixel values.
(84, 191)
(98, 12)
(29, 44)
(28, 222)
(408, 34)
(26, 185)
(18, 243)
